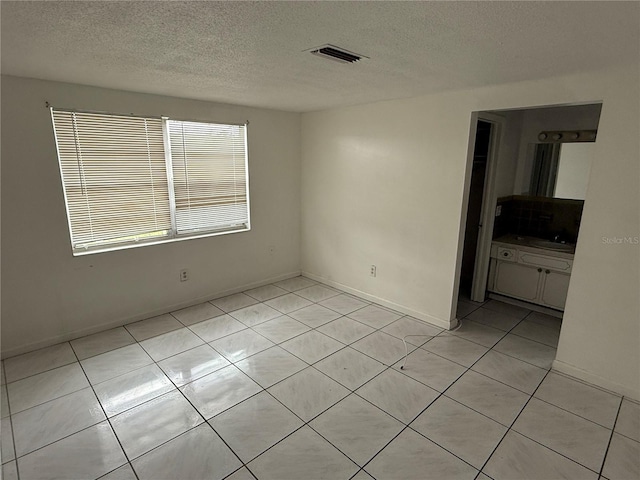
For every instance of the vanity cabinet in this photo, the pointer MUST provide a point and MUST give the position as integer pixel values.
(530, 274)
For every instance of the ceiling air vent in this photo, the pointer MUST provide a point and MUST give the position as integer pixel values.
(337, 54)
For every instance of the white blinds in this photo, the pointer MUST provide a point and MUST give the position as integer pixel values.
(133, 180)
(114, 175)
(209, 176)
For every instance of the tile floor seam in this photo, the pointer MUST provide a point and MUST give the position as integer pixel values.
(606, 451)
(107, 419)
(574, 413)
(43, 403)
(457, 363)
(441, 446)
(205, 342)
(536, 441)
(506, 384)
(389, 413)
(78, 431)
(245, 464)
(204, 421)
(228, 408)
(623, 398)
(442, 394)
(404, 372)
(10, 415)
(508, 332)
(511, 425)
(266, 300)
(43, 371)
(584, 382)
(308, 424)
(292, 311)
(532, 340)
(555, 451)
(348, 389)
(345, 314)
(528, 363)
(117, 468)
(15, 451)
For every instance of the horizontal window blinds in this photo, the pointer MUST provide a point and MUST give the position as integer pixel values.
(115, 177)
(209, 176)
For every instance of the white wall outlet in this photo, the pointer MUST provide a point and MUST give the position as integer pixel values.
(372, 272)
(498, 210)
(184, 275)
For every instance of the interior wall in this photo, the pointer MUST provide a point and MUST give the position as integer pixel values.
(49, 295)
(384, 184)
(508, 151)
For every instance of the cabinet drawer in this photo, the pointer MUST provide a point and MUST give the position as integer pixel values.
(553, 263)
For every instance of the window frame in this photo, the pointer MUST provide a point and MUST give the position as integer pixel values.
(172, 234)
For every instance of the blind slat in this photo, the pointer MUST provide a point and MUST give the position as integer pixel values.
(209, 175)
(114, 175)
(116, 184)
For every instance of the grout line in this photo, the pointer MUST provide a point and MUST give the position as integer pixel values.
(108, 420)
(606, 452)
(510, 426)
(307, 423)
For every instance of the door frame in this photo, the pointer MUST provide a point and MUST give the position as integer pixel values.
(489, 200)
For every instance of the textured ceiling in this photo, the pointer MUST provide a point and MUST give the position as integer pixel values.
(253, 53)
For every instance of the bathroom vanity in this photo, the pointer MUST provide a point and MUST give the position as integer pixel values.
(531, 269)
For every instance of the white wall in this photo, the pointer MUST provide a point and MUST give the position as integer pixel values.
(384, 184)
(49, 295)
(508, 152)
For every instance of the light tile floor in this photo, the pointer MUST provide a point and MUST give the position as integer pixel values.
(298, 380)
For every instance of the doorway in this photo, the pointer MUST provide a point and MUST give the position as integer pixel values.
(474, 210)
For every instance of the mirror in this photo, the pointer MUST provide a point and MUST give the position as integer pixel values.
(560, 170)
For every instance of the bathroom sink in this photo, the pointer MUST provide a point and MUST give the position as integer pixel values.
(549, 245)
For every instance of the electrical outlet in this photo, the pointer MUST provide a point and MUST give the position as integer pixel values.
(498, 210)
(372, 272)
(184, 275)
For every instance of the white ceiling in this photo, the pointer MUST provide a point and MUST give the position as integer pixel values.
(253, 53)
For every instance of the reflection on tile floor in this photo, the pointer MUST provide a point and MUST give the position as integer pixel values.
(297, 380)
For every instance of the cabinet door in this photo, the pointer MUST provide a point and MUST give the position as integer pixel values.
(517, 280)
(554, 290)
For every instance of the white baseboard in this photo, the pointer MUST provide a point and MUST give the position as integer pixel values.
(140, 316)
(596, 380)
(438, 322)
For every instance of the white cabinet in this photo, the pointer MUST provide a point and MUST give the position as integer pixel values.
(515, 280)
(554, 289)
(530, 274)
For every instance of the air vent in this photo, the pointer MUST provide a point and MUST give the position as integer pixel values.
(337, 54)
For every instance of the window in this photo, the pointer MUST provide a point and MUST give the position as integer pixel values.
(132, 181)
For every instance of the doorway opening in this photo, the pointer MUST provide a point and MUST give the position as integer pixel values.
(527, 173)
(474, 210)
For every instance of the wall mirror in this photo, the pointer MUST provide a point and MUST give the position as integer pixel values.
(560, 170)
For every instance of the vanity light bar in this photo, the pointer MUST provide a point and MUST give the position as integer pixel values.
(571, 136)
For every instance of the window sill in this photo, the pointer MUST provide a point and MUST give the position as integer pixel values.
(91, 251)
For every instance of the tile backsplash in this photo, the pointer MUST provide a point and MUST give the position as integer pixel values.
(541, 217)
